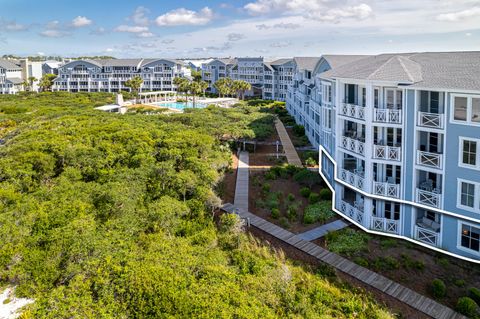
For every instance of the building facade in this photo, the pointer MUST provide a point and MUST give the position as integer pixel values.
(11, 81)
(278, 77)
(385, 126)
(111, 75)
(215, 70)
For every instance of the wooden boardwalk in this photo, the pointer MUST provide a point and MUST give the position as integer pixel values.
(241, 188)
(321, 231)
(289, 149)
(415, 300)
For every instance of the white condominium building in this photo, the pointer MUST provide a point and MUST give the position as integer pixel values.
(111, 75)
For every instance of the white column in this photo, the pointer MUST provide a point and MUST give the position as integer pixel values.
(368, 208)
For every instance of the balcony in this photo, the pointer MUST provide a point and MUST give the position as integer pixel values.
(427, 231)
(431, 120)
(433, 160)
(356, 213)
(385, 225)
(384, 152)
(353, 111)
(392, 116)
(353, 145)
(355, 178)
(386, 189)
(426, 195)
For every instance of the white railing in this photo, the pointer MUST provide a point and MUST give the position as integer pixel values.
(353, 145)
(351, 178)
(427, 236)
(387, 116)
(432, 199)
(430, 159)
(386, 189)
(387, 152)
(327, 140)
(351, 211)
(431, 120)
(385, 225)
(351, 110)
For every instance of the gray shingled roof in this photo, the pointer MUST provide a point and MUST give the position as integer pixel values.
(440, 70)
(335, 60)
(306, 63)
(120, 62)
(227, 61)
(280, 61)
(5, 64)
(15, 80)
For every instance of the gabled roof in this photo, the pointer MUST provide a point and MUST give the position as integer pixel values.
(280, 62)
(267, 67)
(335, 60)
(15, 80)
(441, 70)
(5, 64)
(306, 63)
(120, 62)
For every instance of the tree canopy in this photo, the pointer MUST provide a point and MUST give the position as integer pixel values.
(109, 216)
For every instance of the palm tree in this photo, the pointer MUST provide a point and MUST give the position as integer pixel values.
(134, 84)
(179, 83)
(46, 82)
(240, 87)
(31, 81)
(195, 89)
(224, 86)
(26, 85)
(204, 86)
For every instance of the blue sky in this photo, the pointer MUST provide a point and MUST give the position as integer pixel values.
(271, 28)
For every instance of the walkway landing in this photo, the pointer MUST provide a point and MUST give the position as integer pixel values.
(323, 230)
(241, 188)
(289, 149)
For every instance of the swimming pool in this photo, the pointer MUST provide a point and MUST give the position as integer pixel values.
(180, 105)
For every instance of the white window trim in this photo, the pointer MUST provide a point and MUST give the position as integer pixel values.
(461, 139)
(476, 196)
(459, 237)
(469, 109)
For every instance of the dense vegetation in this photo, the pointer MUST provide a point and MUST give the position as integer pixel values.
(104, 216)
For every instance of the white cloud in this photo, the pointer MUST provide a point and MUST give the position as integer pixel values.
(81, 21)
(13, 26)
(109, 50)
(131, 29)
(139, 16)
(145, 35)
(459, 15)
(281, 44)
(322, 10)
(183, 16)
(235, 36)
(52, 33)
(468, 34)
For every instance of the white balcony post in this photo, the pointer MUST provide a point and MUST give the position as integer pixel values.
(368, 151)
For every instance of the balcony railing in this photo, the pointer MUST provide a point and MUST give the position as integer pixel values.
(429, 198)
(353, 145)
(386, 189)
(427, 236)
(393, 116)
(384, 152)
(351, 211)
(433, 160)
(353, 179)
(351, 110)
(431, 120)
(385, 225)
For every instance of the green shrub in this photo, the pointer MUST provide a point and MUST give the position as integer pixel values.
(310, 162)
(299, 130)
(266, 187)
(438, 288)
(290, 197)
(325, 194)
(275, 213)
(361, 261)
(307, 177)
(270, 175)
(388, 243)
(459, 283)
(305, 192)
(466, 306)
(474, 293)
(319, 212)
(347, 241)
(292, 213)
(325, 270)
(284, 222)
(313, 198)
(386, 263)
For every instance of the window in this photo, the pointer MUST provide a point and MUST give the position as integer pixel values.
(466, 109)
(467, 194)
(470, 237)
(469, 152)
(469, 156)
(460, 113)
(476, 110)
